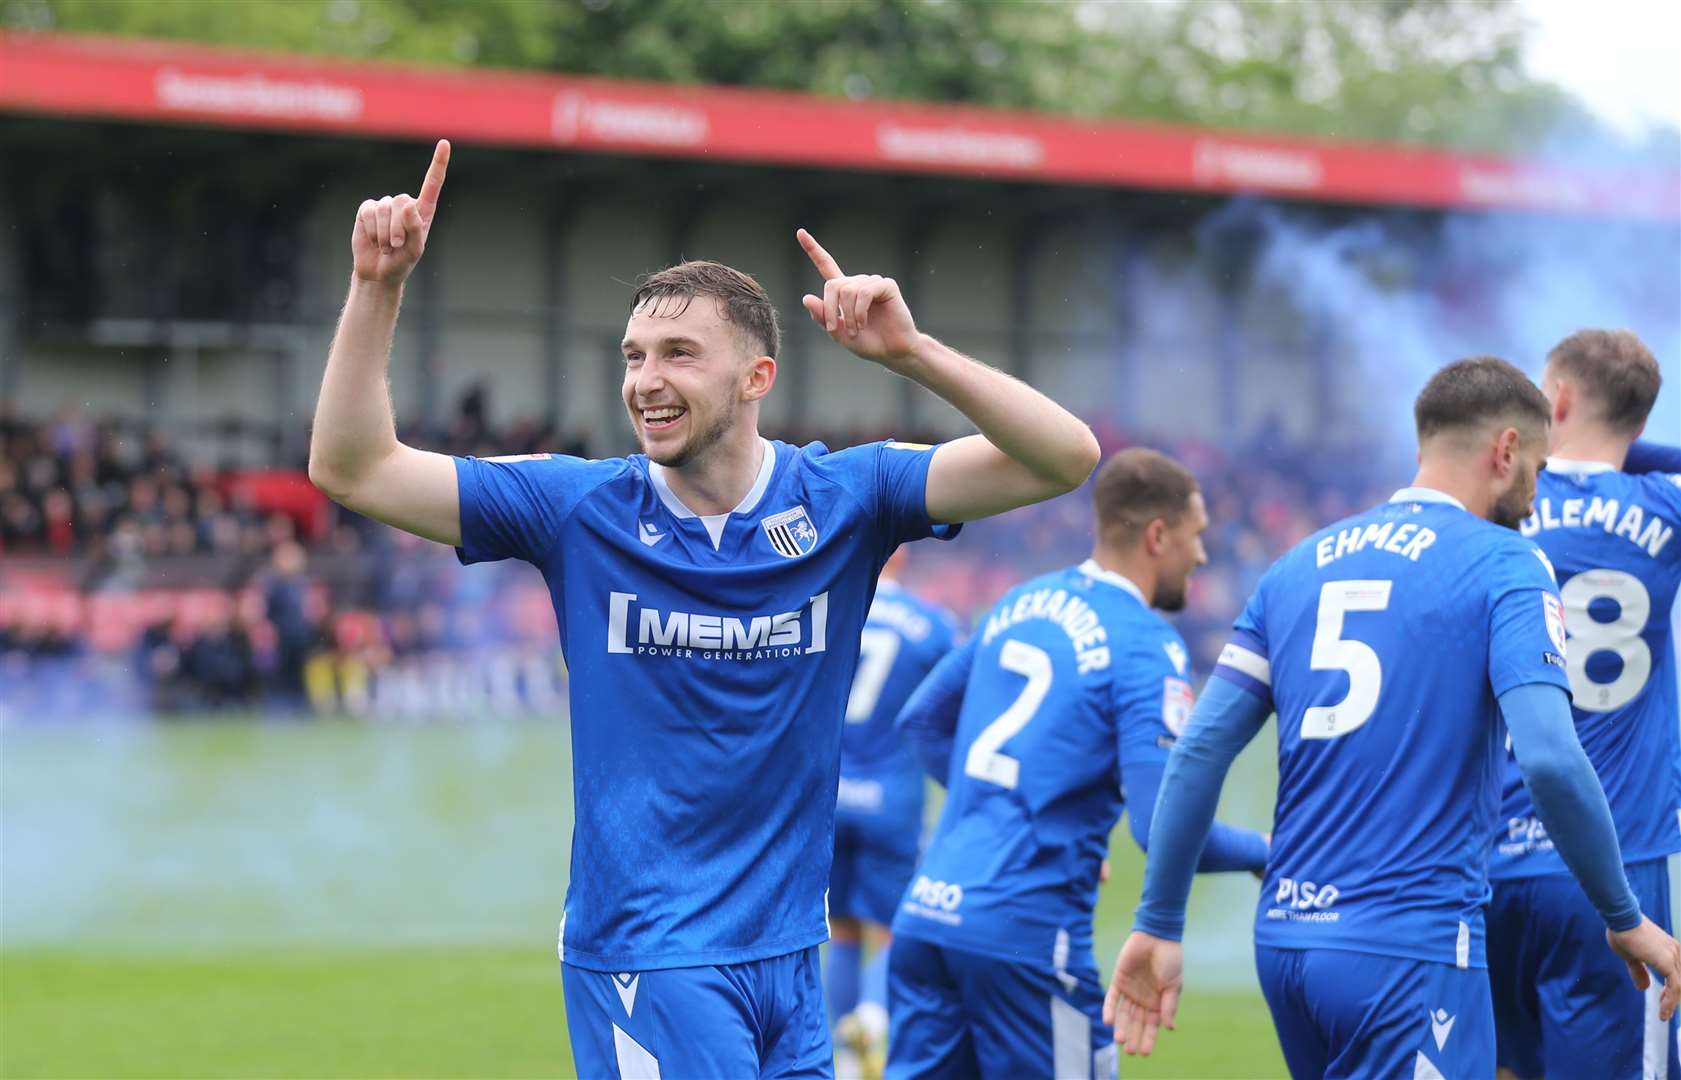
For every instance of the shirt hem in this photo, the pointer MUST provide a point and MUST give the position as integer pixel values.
(1477, 961)
(931, 935)
(1560, 870)
(616, 962)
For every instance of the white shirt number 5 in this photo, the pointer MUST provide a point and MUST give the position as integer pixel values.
(983, 761)
(1333, 652)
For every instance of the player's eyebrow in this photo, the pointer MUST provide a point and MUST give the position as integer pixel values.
(671, 342)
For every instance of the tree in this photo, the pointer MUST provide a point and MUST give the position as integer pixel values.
(1446, 72)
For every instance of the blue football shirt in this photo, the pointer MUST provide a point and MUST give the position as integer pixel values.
(904, 637)
(1383, 643)
(1072, 679)
(710, 661)
(1612, 539)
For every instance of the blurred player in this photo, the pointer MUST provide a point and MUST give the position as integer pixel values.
(1060, 710)
(1391, 645)
(1562, 1003)
(878, 814)
(710, 594)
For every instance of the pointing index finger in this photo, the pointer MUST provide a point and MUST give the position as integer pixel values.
(821, 259)
(434, 182)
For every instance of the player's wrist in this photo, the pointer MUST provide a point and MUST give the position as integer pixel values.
(922, 359)
(375, 289)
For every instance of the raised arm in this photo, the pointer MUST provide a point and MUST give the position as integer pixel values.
(354, 455)
(1645, 457)
(1029, 448)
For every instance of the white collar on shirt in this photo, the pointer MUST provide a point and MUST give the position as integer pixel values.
(1424, 494)
(715, 522)
(1579, 468)
(1109, 577)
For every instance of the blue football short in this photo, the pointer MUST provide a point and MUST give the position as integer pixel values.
(961, 1014)
(763, 1018)
(1564, 1005)
(878, 831)
(1356, 1015)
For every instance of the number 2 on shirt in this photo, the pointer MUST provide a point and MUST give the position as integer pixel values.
(984, 762)
(1333, 652)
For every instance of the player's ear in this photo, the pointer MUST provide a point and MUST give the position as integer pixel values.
(759, 378)
(1564, 400)
(1155, 537)
(1506, 445)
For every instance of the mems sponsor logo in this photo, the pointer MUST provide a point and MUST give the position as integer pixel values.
(937, 900)
(643, 630)
(1304, 901)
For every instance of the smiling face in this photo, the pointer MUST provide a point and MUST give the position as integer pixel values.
(689, 375)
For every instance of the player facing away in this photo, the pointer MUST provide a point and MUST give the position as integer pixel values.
(709, 594)
(1562, 1003)
(878, 811)
(1392, 645)
(1059, 711)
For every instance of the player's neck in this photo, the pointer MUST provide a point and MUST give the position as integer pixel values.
(1132, 565)
(1455, 481)
(1588, 445)
(717, 481)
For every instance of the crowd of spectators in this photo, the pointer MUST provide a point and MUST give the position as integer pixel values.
(140, 578)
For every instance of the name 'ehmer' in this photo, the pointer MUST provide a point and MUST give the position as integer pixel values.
(1406, 539)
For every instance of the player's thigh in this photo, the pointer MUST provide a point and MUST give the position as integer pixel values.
(1299, 1036)
(1387, 1016)
(1516, 942)
(796, 1035)
(674, 1022)
(1035, 1020)
(1594, 1020)
(928, 1030)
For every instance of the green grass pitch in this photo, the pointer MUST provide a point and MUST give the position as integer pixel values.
(338, 899)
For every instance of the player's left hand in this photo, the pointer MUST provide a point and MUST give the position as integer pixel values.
(862, 312)
(1144, 993)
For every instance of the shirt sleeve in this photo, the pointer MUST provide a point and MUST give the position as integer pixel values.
(902, 491)
(1221, 726)
(1245, 661)
(1569, 799)
(1526, 639)
(928, 720)
(1152, 701)
(513, 508)
(1646, 457)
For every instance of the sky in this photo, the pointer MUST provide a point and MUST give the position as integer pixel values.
(1622, 57)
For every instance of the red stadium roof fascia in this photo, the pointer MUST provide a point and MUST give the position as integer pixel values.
(62, 75)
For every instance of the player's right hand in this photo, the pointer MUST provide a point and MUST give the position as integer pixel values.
(1648, 946)
(390, 233)
(1144, 993)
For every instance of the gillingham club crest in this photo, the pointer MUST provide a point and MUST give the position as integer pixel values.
(791, 532)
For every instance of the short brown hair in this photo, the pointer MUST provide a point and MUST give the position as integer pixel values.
(1476, 393)
(1137, 486)
(1616, 369)
(742, 300)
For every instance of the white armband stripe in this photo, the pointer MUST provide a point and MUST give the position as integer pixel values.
(1249, 663)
